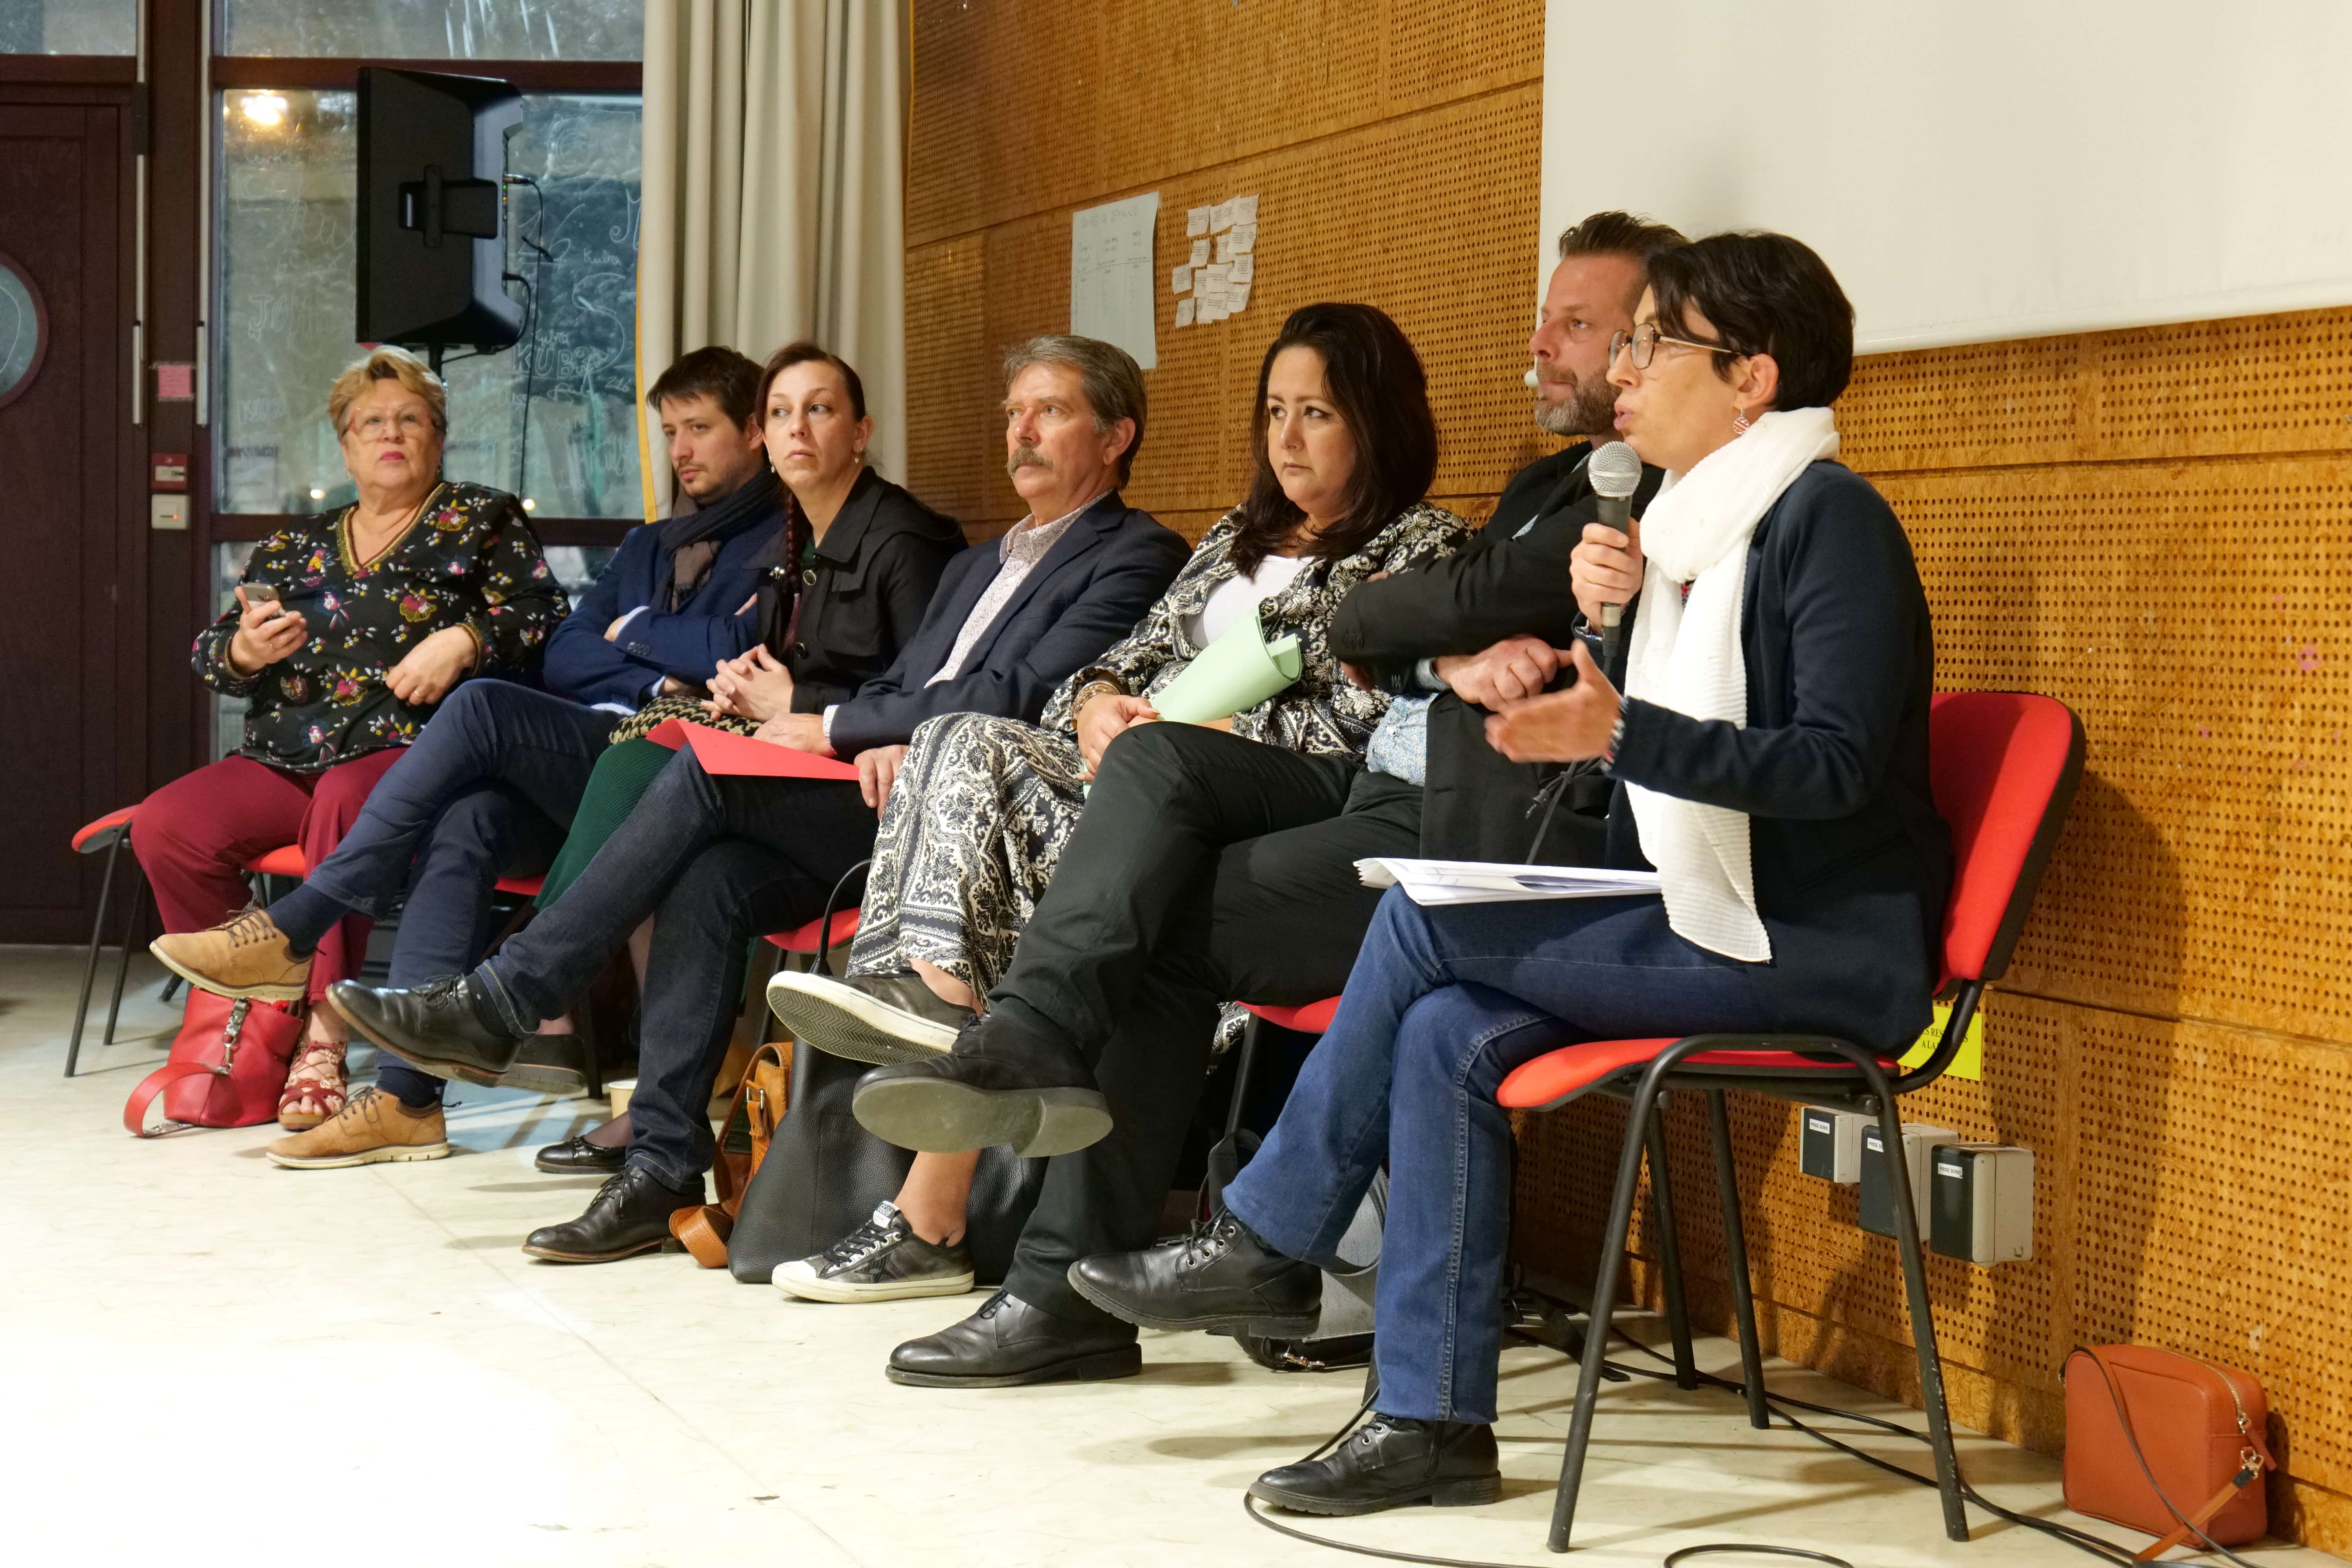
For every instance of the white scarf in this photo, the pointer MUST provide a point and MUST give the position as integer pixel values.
(1685, 655)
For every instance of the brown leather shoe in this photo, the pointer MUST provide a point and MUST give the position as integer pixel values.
(374, 1127)
(247, 956)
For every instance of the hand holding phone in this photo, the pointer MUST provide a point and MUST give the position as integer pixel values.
(267, 631)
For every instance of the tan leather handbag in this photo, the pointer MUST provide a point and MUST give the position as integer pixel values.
(2165, 1444)
(743, 1137)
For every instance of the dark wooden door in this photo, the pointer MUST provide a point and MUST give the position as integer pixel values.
(73, 594)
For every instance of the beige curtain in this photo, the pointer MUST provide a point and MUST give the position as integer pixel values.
(774, 148)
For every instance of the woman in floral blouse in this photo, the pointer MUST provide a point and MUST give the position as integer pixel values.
(350, 627)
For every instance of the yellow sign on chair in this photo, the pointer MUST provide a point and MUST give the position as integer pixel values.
(1969, 1063)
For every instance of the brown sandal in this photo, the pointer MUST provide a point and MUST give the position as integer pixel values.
(315, 1078)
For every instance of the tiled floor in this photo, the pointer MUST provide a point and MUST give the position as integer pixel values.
(206, 1359)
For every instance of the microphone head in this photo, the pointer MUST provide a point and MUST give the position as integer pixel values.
(1533, 380)
(1615, 471)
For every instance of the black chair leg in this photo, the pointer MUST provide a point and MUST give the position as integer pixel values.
(1735, 1247)
(1923, 1316)
(1604, 1302)
(122, 970)
(1670, 1252)
(89, 964)
(170, 986)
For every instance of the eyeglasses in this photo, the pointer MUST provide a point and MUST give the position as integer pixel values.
(375, 426)
(1644, 340)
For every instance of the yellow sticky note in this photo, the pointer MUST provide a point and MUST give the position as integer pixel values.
(1969, 1063)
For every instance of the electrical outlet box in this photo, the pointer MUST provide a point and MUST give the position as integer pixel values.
(1876, 1207)
(1829, 1143)
(1980, 1203)
(167, 512)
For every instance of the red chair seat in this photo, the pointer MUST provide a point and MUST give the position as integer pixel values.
(805, 939)
(1556, 1076)
(1312, 1019)
(521, 887)
(287, 862)
(104, 825)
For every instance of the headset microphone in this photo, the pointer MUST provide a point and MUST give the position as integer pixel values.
(1533, 380)
(1615, 471)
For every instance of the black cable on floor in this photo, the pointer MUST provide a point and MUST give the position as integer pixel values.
(2082, 1541)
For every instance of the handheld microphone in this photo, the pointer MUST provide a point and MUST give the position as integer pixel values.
(1615, 471)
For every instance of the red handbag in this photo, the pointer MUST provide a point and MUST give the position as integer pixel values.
(227, 1067)
(2166, 1444)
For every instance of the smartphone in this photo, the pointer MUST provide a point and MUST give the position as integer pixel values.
(260, 593)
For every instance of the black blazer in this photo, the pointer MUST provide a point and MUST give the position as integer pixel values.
(1110, 566)
(1851, 861)
(1511, 579)
(866, 591)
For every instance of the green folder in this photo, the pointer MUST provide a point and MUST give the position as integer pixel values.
(1231, 674)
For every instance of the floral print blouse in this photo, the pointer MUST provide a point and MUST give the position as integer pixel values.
(469, 558)
(1323, 714)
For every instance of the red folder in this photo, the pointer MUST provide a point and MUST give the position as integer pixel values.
(725, 755)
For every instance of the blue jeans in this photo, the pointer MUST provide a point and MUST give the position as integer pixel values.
(490, 784)
(1441, 1004)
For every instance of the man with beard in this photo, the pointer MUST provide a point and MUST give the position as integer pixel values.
(1486, 625)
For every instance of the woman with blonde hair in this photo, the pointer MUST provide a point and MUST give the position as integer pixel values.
(349, 629)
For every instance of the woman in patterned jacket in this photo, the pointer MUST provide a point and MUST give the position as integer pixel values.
(983, 808)
(349, 629)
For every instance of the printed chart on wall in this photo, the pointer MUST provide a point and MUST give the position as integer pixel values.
(1111, 275)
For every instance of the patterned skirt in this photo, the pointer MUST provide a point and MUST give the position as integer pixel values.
(973, 831)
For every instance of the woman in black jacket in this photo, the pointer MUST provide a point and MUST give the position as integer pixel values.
(1770, 761)
(846, 585)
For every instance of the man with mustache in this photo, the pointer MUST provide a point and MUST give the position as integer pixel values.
(711, 857)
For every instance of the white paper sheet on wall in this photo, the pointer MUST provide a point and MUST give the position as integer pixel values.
(1111, 274)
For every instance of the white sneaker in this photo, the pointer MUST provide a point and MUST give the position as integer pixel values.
(881, 1260)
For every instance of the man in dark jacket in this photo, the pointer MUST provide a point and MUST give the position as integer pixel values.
(717, 859)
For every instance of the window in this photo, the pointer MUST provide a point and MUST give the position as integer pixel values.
(438, 29)
(551, 419)
(73, 27)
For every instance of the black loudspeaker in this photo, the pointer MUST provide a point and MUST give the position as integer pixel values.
(432, 171)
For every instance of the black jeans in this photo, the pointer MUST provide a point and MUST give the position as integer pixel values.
(715, 862)
(1205, 869)
(488, 787)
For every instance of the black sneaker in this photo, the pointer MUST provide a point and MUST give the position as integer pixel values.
(881, 1260)
(880, 1018)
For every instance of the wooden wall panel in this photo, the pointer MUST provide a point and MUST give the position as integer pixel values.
(2153, 525)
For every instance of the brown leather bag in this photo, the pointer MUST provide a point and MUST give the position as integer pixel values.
(743, 1137)
(2167, 1444)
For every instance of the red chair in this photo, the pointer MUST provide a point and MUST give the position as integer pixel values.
(2003, 768)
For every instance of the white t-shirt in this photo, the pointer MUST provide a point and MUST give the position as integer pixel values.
(1235, 597)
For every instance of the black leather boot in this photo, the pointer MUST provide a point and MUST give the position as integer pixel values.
(1390, 1462)
(445, 1027)
(1000, 1084)
(629, 1215)
(1220, 1279)
(1008, 1344)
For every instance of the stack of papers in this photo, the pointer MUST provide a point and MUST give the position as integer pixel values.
(1496, 881)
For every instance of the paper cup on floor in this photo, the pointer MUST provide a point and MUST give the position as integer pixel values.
(1233, 675)
(620, 1088)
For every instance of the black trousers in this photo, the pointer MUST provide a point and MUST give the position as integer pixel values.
(716, 861)
(1207, 869)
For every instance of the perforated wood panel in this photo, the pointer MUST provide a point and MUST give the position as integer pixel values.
(2154, 525)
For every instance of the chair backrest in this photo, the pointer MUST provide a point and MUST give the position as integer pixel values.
(2003, 765)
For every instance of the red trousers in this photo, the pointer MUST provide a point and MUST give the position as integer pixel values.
(193, 836)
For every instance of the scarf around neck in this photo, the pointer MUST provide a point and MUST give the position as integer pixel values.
(1685, 655)
(691, 543)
